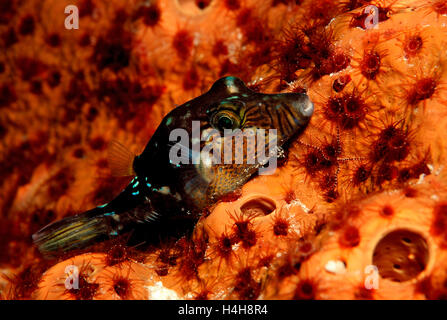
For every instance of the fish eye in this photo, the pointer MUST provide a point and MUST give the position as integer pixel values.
(225, 120)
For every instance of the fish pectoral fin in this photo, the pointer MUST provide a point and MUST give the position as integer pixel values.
(120, 160)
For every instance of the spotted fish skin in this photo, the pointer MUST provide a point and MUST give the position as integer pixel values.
(162, 190)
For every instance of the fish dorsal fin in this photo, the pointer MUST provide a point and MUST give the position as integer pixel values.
(120, 160)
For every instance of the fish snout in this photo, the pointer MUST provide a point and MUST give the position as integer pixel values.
(296, 111)
(302, 106)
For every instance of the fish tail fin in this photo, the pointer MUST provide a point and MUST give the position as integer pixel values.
(74, 232)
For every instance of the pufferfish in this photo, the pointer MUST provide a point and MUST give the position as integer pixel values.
(163, 190)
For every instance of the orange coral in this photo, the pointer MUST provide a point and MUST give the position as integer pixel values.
(356, 211)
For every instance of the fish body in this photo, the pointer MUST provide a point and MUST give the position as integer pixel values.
(163, 189)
